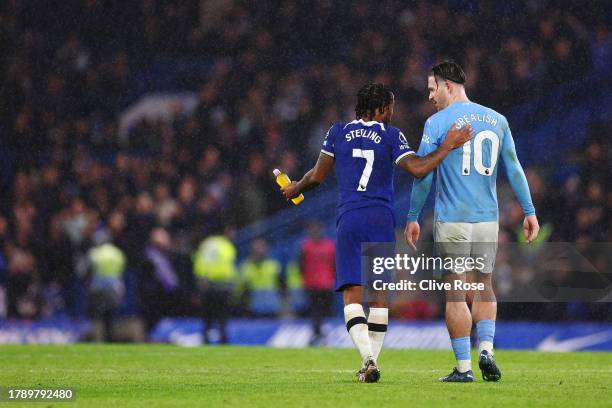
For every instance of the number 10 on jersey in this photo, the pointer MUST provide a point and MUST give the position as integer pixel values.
(478, 149)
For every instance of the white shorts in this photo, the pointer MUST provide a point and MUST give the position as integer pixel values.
(467, 240)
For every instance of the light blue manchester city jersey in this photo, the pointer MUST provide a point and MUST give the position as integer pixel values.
(466, 178)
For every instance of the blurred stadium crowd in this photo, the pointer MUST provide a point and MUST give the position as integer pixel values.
(279, 75)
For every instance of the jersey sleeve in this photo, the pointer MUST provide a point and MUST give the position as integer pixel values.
(515, 173)
(418, 196)
(328, 146)
(429, 141)
(400, 147)
(422, 186)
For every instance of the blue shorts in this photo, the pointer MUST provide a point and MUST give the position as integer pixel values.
(355, 227)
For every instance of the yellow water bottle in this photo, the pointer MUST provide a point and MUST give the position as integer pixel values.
(282, 180)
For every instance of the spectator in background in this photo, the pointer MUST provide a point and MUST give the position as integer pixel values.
(62, 136)
(23, 285)
(318, 266)
(139, 224)
(215, 271)
(49, 197)
(260, 280)
(58, 272)
(105, 284)
(188, 206)
(166, 207)
(23, 281)
(163, 280)
(75, 220)
(3, 265)
(250, 202)
(115, 230)
(3, 238)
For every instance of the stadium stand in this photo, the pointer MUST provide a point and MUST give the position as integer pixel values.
(226, 91)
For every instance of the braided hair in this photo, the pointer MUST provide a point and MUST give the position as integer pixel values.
(371, 97)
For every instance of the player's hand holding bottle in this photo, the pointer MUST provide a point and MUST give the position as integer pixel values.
(290, 191)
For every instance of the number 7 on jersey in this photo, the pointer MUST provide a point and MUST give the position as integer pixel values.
(368, 155)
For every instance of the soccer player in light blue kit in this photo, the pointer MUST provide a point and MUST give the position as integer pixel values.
(364, 152)
(466, 209)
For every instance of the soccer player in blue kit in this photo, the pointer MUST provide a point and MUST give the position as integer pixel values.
(466, 211)
(364, 151)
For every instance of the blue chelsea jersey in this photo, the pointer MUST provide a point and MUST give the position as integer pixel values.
(365, 153)
(466, 178)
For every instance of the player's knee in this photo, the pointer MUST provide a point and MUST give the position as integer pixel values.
(485, 278)
(377, 298)
(455, 296)
(378, 303)
(352, 294)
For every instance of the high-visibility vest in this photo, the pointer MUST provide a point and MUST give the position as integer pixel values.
(294, 276)
(107, 260)
(260, 275)
(215, 259)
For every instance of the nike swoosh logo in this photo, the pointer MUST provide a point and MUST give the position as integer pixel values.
(551, 343)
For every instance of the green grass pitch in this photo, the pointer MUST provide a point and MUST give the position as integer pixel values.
(168, 376)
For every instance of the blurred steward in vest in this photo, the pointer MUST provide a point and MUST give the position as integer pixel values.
(104, 280)
(260, 280)
(165, 279)
(215, 269)
(318, 266)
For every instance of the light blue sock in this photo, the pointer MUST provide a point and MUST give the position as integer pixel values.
(461, 347)
(486, 334)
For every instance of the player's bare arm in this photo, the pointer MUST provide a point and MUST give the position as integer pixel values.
(311, 179)
(420, 166)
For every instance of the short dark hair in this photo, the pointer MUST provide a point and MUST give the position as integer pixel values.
(449, 70)
(371, 97)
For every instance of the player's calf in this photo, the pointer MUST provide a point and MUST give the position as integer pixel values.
(357, 327)
(378, 321)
